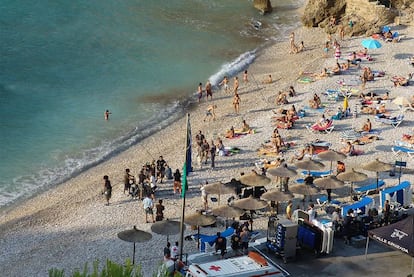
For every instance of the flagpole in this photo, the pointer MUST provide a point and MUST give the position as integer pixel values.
(184, 181)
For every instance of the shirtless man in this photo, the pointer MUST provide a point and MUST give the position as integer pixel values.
(210, 113)
(225, 84)
(236, 85)
(209, 91)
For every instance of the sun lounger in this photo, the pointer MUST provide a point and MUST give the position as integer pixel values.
(316, 128)
(400, 149)
(363, 205)
(317, 173)
(404, 144)
(367, 189)
(350, 135)
(323, 201)
(393, 121)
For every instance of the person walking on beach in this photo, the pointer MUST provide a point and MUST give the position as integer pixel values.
(213, 150)
(200, 91)
(225, 84)
(220, 244)
(177, 181)
(159, 211)
(236, 102)
(245, 77)
(106, 114)
(128, 181)
(107, 189)
(209, 91)
(148, 207)
(236, 85)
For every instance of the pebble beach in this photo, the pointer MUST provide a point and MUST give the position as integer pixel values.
(69, 225)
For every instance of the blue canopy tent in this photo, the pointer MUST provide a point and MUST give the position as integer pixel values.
(400, 193)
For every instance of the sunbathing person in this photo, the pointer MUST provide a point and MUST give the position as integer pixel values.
(291, 91)
(245, 129)
(336, 69)
(322, 123)
(367, 126)
(308, 151)
(354, 58)
(408, 139)
(363, 52)
(230, 133)
(348, 149)
(386, 96)
(281, 99)
(345, 66)
(401, 81)
(268, 80)
(316, 102)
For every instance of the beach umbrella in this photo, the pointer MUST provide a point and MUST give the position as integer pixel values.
(134, 235)
(276, 195)
(329, 182)
(282, 171)
(199, 219)
(304, 189)
(309, 165)
(166, 228)
(219, 189)
(254, 180)
(228, 211)
(377, 166)
(331, 155)
(371, 43)
(352, 176)
(251, 204)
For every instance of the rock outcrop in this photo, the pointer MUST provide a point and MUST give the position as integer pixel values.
(264, 6)
(367, 16)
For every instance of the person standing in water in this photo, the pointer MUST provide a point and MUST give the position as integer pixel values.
(106, 114)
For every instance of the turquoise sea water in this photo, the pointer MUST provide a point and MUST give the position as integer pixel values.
(63, 63)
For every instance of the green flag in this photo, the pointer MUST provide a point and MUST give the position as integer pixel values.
(184, 185)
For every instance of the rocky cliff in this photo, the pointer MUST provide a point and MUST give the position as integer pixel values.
(264, 6)
(367, 16)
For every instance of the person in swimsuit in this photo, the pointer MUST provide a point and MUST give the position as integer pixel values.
(200, 91)
(225, 84)
(245, 78)
(236, 103)
(236, 85)
(106, 114)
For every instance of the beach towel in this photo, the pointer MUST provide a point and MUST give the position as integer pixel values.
(306, 80)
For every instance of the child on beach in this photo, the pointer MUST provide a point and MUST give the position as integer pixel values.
(245, 78)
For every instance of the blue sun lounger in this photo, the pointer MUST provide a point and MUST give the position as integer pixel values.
(393, 121)
(363, 205)
(401, 149)
(317, 173)
(370, 188)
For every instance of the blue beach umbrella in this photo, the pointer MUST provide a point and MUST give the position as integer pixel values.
(371, 43)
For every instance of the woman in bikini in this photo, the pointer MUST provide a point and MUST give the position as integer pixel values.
(236, 102)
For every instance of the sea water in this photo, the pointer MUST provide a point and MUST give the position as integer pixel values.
(63, 63)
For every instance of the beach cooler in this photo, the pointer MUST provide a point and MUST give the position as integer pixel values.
(401, 194)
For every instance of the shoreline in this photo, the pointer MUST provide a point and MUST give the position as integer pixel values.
(46, 227)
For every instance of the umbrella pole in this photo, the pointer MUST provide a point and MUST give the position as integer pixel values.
(198, 238)
(377, 180)
(133, 255)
